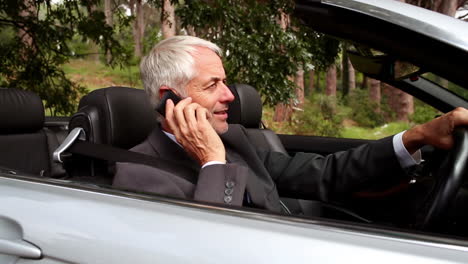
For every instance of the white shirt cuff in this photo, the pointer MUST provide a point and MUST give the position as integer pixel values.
(404, 158)
(212, 163)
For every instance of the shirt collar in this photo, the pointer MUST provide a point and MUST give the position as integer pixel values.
(172, 137)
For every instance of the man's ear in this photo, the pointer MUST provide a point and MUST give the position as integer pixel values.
(162, 90)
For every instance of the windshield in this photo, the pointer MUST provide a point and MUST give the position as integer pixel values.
(460, 91)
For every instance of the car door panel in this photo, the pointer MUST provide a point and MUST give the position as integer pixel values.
(83, 226)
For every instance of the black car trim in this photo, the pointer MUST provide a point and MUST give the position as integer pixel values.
(430, 93)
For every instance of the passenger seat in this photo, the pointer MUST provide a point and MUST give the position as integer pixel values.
(26, 145)
(118, 116)
(246, 109)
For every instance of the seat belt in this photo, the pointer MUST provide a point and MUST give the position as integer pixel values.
(74, 145)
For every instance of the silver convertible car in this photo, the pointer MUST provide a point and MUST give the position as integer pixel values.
(57, 204)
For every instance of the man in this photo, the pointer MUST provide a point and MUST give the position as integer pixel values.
(219, 164)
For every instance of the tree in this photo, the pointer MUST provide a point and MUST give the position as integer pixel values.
(311, 87)
(168, 21)
(138, 25)
(299, 81)
(109, 22)
(330, 90)
(348, 77)
(375, 94)
(257, 50)
(34, 42)
(447, 7)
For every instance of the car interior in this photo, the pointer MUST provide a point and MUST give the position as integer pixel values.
(122, 117)
(105, 118)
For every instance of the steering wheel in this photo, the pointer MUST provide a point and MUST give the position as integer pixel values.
(449, 179)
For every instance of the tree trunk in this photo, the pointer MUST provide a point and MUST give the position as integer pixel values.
(352, 76)
(283, 111)
(109, 21)
(191, 31)
(93, 46)
(365, 82)
(168, 25)
(331, 81)
(375, 93)
(299, 81)
(310, 90)
(405, 106)
(345, 74)
(403, 102)
(138, 26)
(400, 102)
(317, 82)
(449, 7)
(22, 33)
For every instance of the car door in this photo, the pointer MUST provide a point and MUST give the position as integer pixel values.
(72, 223)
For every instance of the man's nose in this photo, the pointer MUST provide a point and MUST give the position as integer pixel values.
(227, 96)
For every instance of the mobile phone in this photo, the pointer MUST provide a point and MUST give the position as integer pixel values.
(169, 94)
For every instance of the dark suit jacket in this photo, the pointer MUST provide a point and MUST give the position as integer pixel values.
(264, 174)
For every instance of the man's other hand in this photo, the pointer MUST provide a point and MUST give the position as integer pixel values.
(190, 123)
(437, 132)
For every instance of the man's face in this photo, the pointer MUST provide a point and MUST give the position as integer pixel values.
(208, 88)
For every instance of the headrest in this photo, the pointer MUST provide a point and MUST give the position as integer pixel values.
(20, 111)
(119, 116)
(246, 109)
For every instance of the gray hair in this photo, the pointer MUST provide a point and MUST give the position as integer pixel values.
(170, 63)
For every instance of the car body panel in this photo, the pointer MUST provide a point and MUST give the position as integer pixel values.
(81, 226)
(422, 47)
(451, 31)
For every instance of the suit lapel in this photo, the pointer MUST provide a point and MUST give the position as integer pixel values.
(260, 186)
(168, 149)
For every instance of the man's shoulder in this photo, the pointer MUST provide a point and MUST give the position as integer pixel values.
(148, 146)
(144, 147)
(235, 129)
(125, 171)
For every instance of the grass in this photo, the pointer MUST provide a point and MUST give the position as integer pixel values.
(94, 74)
(374, 133)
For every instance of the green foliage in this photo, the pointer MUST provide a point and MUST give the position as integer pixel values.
(374, 133)
(257, 50)
(364, 110)
(423, 112)
(152, 35)
(37, 42)
(319, 118)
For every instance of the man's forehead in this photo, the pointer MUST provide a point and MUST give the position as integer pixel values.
(209, 63)
(200, 51)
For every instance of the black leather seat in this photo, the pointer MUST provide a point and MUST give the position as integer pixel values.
(246, 109)
(26, 145)
(117, 116)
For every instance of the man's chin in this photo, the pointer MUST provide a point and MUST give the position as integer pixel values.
(221, 128)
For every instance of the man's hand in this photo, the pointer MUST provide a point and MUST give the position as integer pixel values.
(437, 132)
(190, 124)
